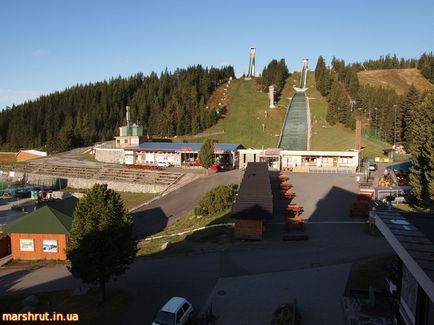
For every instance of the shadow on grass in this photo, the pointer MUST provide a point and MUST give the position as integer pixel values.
(370, 272)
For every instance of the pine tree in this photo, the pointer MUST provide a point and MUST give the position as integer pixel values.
(405, 118)
(422, 150)
(101, 244)
(206, 154)
(322, 77)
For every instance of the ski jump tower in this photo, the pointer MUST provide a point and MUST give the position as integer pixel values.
(251, 72)
(303, 78)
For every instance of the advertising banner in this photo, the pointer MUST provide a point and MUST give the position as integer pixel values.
(49, 246)
(26, 245)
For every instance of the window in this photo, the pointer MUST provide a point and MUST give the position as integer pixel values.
(185, 306)
(254, 157)
(244, 158)
(179, 315)
(346, 160)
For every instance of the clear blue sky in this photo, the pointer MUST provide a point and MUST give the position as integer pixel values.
(50, 45)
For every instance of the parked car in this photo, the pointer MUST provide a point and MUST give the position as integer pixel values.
(177, 311)
(163, 164)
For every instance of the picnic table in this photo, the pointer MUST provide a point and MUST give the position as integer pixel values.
(293, 210)
(282, 177)
(285, 185)
(294, 223)
(286, 194)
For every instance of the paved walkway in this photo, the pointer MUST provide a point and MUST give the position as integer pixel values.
(252, 299)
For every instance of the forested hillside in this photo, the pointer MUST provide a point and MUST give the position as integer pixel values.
(406, 119)
(348, 98)
(169, 104)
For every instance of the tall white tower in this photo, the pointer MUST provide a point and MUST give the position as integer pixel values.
(251, 72)
(304, 69)
(271, 96)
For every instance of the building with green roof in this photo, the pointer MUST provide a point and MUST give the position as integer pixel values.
(43, 233)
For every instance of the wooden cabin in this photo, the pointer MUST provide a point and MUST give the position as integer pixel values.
(43, 233)
(254, 202)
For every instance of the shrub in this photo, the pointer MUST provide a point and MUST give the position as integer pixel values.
(216, 200)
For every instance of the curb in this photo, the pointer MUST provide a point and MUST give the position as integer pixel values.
(230, 224)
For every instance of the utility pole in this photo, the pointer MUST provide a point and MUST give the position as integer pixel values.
(394, 136)
(376, 122)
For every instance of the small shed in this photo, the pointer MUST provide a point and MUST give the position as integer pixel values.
(42, 234)
(254, 202)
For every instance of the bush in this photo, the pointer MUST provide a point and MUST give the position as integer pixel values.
(216, 200)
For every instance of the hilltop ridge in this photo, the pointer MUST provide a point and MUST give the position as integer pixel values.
(398, 79)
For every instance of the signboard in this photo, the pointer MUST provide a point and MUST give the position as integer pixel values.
(186, 149)
(218, 150)
(271, 152)
(26, 245)
(49, 246)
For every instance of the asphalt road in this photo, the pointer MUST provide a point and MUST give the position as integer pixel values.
(155, 216)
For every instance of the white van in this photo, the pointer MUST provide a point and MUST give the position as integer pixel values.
(177, 311)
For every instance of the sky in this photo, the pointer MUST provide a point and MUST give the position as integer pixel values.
(49, 45)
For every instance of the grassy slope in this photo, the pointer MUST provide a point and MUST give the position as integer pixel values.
(398, 79)
(188, 222)
(337, 137)
(243, 122)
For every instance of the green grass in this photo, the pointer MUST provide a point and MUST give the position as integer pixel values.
(89, 157)
(337, 137)
(131, 200)
(288, 91)
(412, 208)
(88, 306)
(369, 273)
(188, 222)
(398, 79)
(243, 122)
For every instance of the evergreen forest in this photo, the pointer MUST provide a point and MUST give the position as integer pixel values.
(172, 103)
